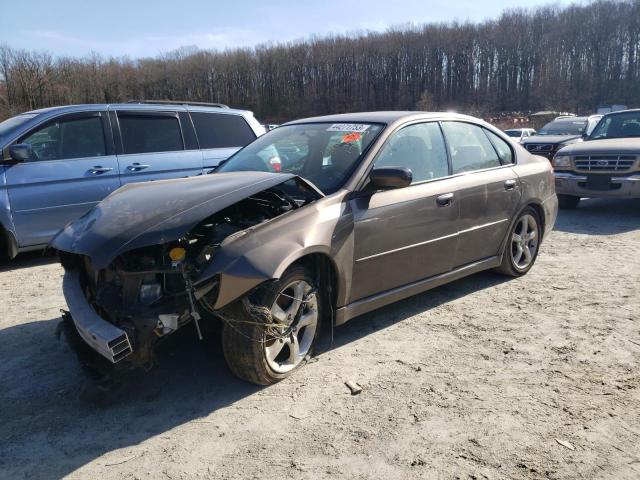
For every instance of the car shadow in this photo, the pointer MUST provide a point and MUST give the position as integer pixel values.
(28, 260)
(601, 216)
(41, 414)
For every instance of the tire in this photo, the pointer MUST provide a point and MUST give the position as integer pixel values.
(255, 355)
(520, 253)
(4, 247)
(568, 202)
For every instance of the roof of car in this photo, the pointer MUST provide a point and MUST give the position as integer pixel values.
(571, 119)
(138, 106)
(380, 117)
(621, 111)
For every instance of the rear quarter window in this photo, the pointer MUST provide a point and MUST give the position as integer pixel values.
(217, 130)
(504, 151)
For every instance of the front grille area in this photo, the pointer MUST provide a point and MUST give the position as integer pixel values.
(539, 148)
(604, 163)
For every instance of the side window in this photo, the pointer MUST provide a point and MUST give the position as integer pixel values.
(217, 130)
(469, 147)
(67, 139)
(150, 133)
(504, 151)
(418, 147)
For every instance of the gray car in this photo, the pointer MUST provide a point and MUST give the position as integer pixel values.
(59, 162)
(375, 208)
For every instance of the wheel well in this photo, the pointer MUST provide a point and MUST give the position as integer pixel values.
(540, 211)
(322, 265)
(7, 247)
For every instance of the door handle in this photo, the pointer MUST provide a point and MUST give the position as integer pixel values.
(136, 167)
(444, 200)
(510, 184)
(97, 170)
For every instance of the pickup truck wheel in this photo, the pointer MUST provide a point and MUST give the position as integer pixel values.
(521, 250)
(568, 202)
(265, 349)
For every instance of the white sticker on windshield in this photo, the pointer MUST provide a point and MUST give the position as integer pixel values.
(348, 127)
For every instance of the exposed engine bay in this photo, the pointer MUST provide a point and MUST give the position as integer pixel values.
(149, 292)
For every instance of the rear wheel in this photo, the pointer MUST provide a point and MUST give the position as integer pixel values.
(521, 250)
(568, 202)
(270, 334)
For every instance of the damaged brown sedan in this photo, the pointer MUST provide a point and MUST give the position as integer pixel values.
(318, 221)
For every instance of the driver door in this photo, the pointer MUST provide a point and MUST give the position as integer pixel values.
(408, 234)
(73, 167)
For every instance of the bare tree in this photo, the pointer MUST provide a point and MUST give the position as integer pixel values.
(571, 58)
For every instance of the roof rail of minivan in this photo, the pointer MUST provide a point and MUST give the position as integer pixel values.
(178, 102)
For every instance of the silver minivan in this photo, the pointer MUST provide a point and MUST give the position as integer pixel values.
(59, 162)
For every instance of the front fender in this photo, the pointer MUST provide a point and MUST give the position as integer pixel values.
(262, 253)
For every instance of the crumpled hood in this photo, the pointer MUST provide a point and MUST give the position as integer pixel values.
(152, 213)
(550, 139)
(613, 146)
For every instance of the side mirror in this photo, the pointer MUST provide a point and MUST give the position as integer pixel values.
(386, 178)
(20, 152)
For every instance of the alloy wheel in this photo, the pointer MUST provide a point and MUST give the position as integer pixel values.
(524, 242)
(296, 310)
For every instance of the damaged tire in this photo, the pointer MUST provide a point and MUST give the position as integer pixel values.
(271, 333)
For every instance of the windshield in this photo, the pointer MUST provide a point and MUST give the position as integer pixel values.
(323, 153)
(619, 125)
(513, 133)
(13, 122)
(564, 127)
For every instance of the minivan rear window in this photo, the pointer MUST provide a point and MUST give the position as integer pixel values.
(222, 130)
(150, 133)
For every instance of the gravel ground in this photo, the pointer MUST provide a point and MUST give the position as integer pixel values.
(487, 377)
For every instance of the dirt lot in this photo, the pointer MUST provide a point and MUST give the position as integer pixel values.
(484, 378)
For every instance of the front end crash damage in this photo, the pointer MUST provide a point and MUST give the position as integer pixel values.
(125, 307)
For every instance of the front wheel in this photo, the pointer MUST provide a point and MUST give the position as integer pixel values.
(568, 202)
(271, 333)
(521, 250)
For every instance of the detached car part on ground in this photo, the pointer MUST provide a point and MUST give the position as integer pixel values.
(366, 209)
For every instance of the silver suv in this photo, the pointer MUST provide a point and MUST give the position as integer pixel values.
(59, 162)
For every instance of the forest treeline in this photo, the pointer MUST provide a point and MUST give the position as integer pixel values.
(572, 58)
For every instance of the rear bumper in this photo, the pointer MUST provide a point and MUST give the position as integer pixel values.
(568, 183)
(105, 338)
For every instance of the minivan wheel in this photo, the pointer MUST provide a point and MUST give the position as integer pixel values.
(521, 250)
(568, 202)
(271, 333)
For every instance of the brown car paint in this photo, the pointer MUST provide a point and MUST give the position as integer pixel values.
(394, 239)
(391, 244)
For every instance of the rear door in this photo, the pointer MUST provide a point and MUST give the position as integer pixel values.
(406, 234)
(220, 135)
(73, 167)
(154, 145)
(488, 189)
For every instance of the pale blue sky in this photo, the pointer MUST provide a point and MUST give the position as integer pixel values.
(138, 28)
